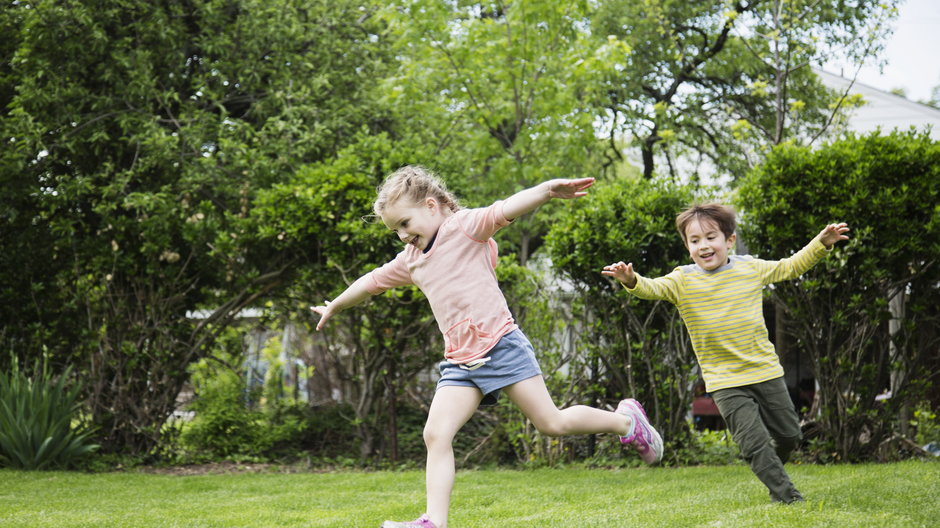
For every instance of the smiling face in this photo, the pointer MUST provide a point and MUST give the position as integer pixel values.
(707, 244)
(417, 223)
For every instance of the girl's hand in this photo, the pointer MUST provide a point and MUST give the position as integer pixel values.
(325, 313)
(529, 199)
(833, 233)
(622, 272)
(567, 189)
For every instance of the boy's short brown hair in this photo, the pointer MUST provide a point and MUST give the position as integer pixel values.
(721, 215)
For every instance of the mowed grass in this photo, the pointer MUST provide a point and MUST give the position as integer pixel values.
(891, 495)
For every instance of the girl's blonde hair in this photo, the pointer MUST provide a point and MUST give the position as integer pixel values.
(413, 183)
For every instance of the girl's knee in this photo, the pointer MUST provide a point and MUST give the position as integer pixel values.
(433, 436)
(552, 426)
(430, 436)
(551, 429)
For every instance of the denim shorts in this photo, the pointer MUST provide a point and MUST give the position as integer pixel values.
(512, 360)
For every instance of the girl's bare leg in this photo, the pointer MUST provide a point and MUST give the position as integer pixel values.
(451, 407)
(536, 403)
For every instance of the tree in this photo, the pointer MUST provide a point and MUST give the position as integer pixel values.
(867, 315)
(934, 100)
(319, 219)
(784, 100)
(721, 80)
(138, 135)
(792, 37)
(493, 92)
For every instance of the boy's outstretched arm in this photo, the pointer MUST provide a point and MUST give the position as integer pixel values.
(622, 272)
(833, 233)
(353, 295)
(528, 200)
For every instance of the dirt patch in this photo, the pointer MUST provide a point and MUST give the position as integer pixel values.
(225, 467)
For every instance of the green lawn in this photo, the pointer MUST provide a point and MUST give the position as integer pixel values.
(891, 495)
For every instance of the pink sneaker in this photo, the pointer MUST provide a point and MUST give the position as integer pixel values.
(644, 439)
(421, 522)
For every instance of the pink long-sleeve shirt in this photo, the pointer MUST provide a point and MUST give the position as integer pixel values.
(458, 276)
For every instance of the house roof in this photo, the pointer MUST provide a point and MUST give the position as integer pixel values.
(882, 109)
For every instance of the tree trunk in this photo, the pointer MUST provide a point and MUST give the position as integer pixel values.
(896, 305)
(647, 152)
(392, 411)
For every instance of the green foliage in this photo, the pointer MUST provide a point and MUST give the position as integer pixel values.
(694, 68)
(162, 158)
(323, 216)
(227, 426)
(934, 100)
(491, 97)
(868, 314)
(927, 425)
(36, 415)
(710, 448)
(629, 220)
(137, 135)
(224, 426)
(265, 423)
(632, 348)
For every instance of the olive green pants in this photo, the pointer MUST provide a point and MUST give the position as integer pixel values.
(766, 428)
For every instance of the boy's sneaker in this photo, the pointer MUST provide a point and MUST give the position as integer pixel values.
(421, 522)
(794, 498)
(644, 439)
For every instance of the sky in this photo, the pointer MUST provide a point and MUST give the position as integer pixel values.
(912, 52)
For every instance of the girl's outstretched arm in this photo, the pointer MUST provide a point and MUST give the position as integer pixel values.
(353, 295)
(528, 200)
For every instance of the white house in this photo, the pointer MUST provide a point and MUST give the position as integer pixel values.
(883, 110)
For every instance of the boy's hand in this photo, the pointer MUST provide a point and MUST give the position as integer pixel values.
(833, 233)
(325, 313)
(567, 189)
(622, 272)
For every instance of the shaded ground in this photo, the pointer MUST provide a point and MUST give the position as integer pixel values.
(227, 467)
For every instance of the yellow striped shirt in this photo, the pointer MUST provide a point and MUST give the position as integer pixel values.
(723, 312)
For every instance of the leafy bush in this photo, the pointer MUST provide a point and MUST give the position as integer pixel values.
(228, 426)
(224, 426)
(927, 425)
(709, 448)
(328, 431)
(867, 315)
(632, 347)
(36, 421)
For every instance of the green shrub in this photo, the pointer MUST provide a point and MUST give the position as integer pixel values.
(330, 432)
(224, 426)
(867, 315)
(710, 448)
(927, 425)
(233, 422)
(629, 347)
(36, 421)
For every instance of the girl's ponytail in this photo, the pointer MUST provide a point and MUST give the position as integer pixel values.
(413, 183)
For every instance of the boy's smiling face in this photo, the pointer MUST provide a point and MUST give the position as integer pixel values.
(415, 224)
(707, 245)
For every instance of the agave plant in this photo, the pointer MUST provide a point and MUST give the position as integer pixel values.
(36, 414)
